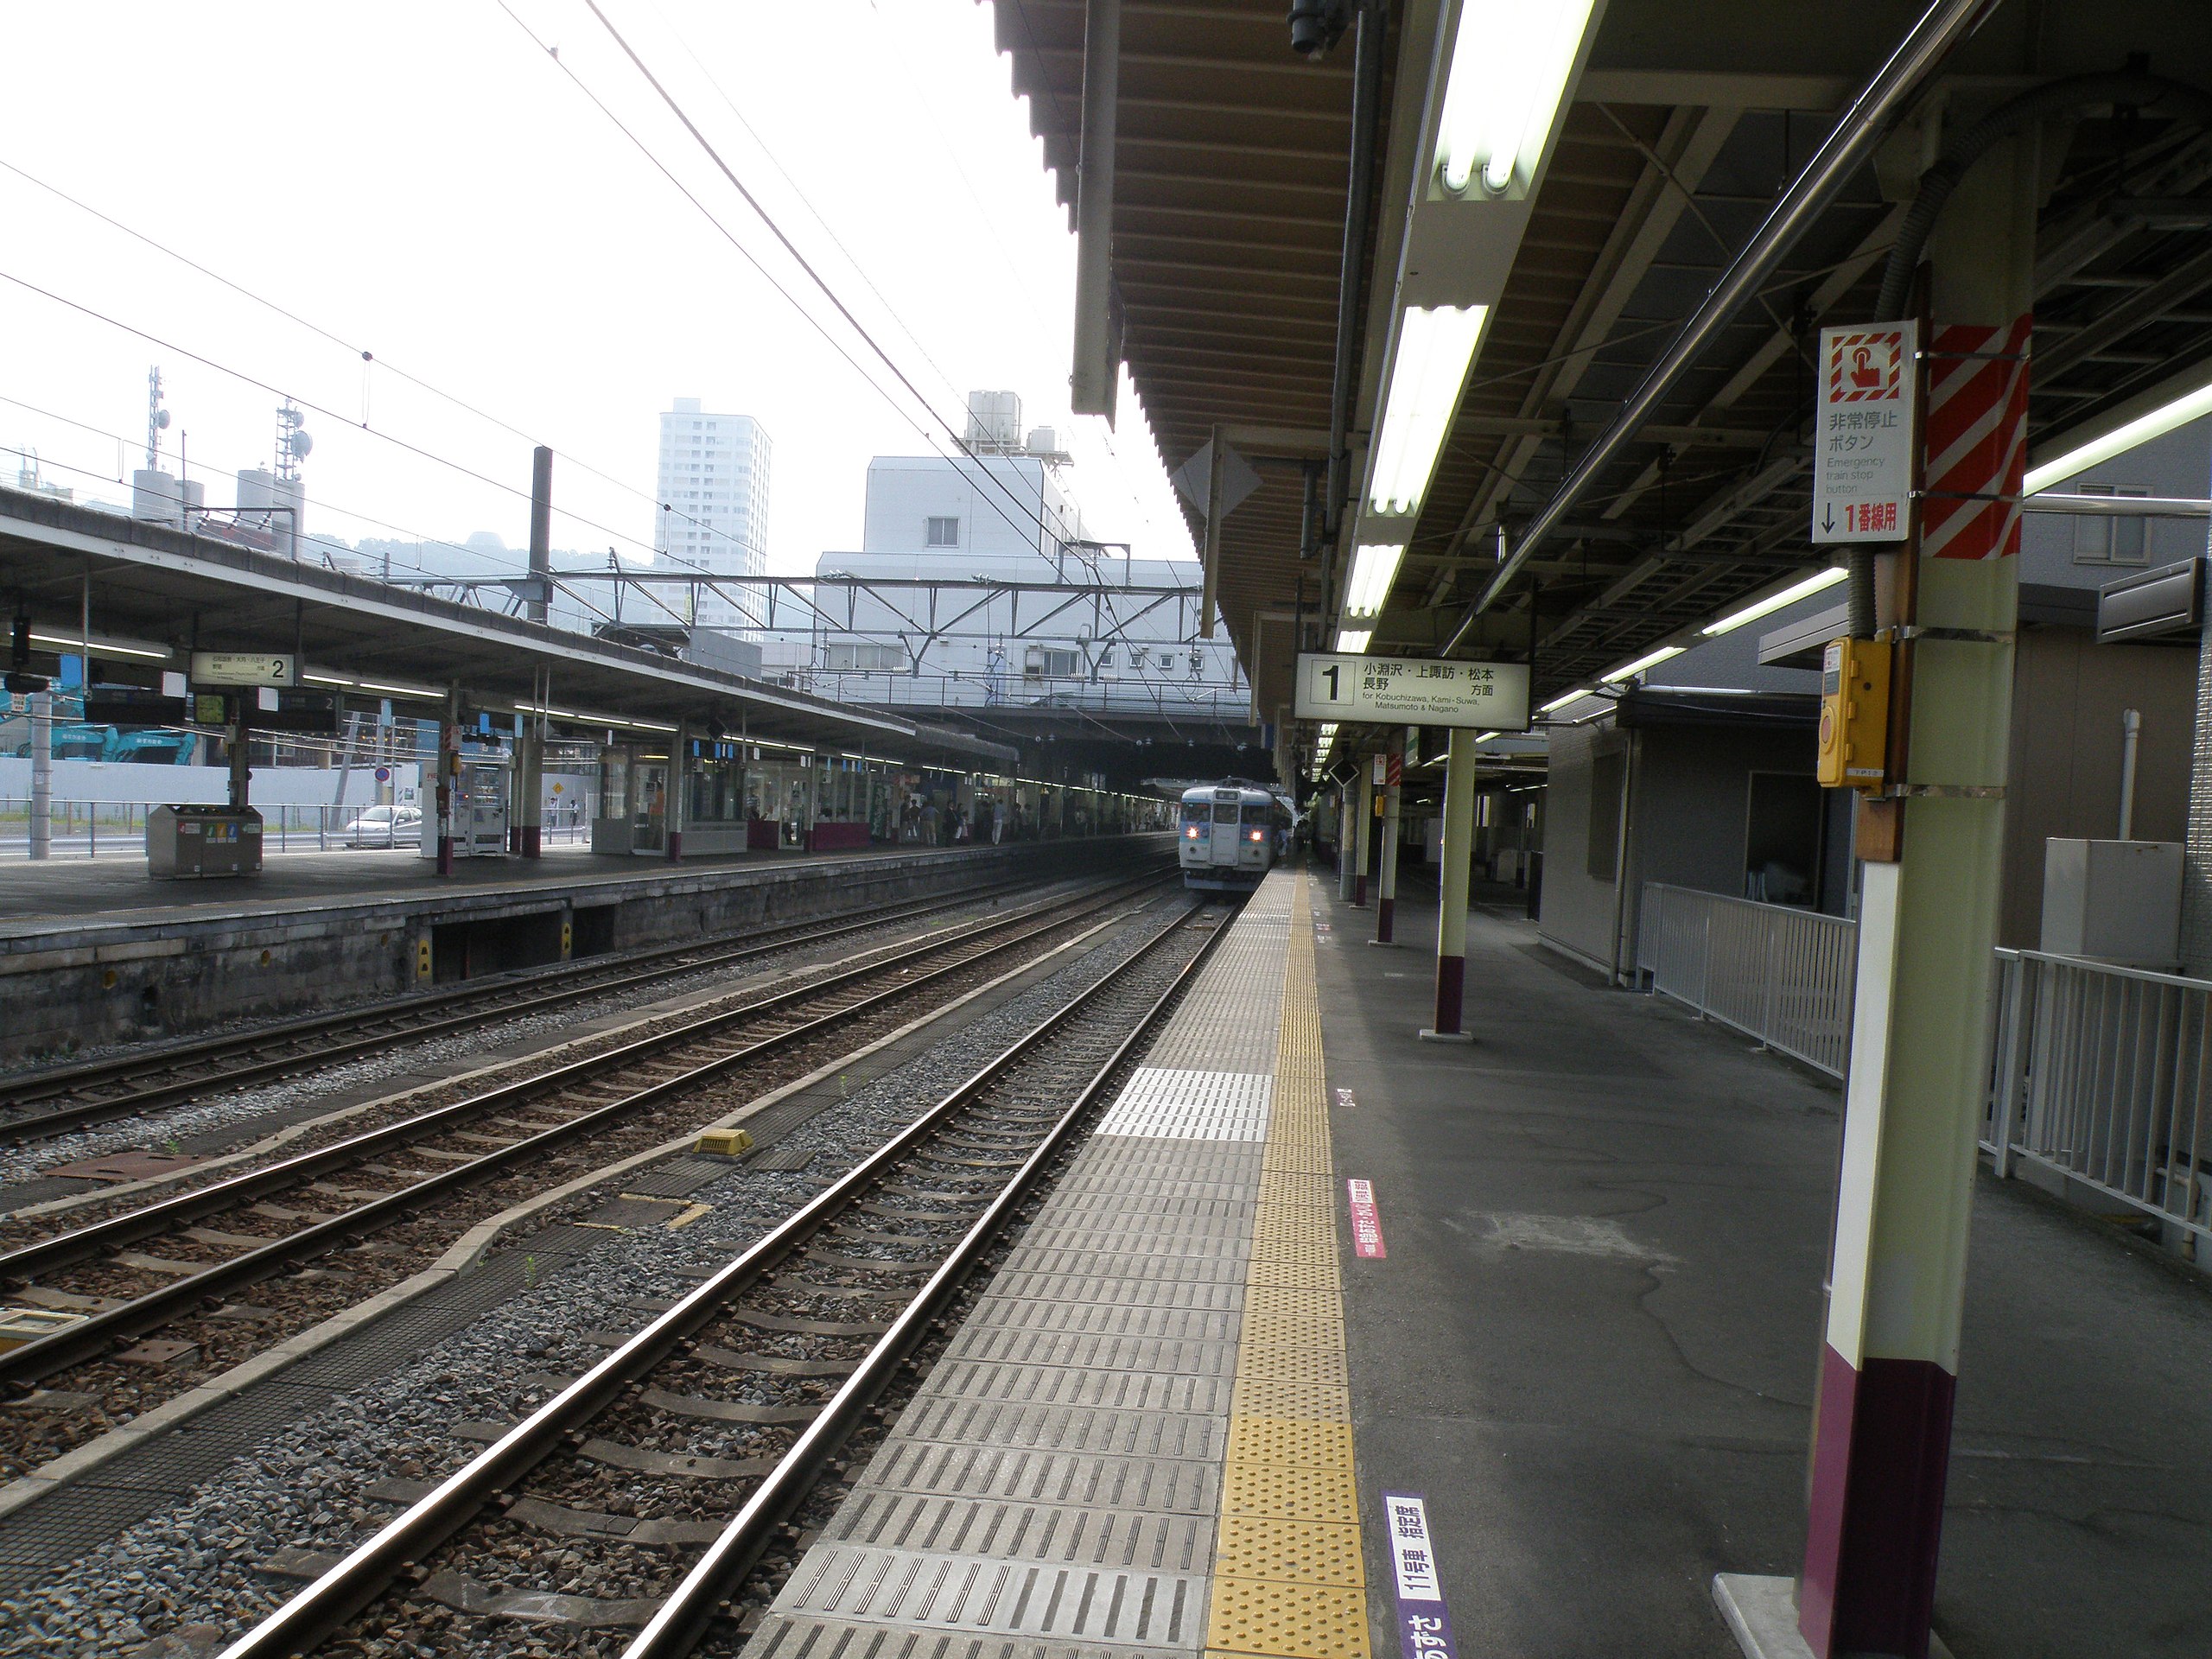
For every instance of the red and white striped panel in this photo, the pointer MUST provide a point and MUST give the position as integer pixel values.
(1977, 438)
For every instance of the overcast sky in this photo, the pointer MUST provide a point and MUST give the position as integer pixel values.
(420, 179)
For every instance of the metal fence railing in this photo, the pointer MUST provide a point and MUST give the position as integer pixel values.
(2103, 1074)
(117, 828)
(1779, 974)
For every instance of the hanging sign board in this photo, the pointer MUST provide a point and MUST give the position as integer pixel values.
(244, 668)
(1412, 691)
(1862, 443)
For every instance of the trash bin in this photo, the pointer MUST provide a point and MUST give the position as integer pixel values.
(199, 841)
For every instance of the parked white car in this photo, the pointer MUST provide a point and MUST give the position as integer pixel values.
(386, 826)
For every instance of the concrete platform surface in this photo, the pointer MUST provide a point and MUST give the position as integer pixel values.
(1591, 1343)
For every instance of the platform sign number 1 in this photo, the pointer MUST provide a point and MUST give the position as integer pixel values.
(1862, 447)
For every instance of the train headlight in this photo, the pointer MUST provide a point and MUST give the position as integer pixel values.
(1192, 831)
(1257, 835)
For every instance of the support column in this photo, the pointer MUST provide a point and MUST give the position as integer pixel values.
(529, 803)
(2196, 847)
(240, 755)
(1455, 859)
(41, 824)
(1928, 924)
(1363, 833)
(1386, 898)
(679, 776)
(448, 774)
(1347, 840)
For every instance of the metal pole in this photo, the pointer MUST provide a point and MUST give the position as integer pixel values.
(1092, 386)
(541, 531)
(1363, 833)
(1211, 569)
(41, 823)
(1849, 146)
(1366, 97)
(1386, 899)
(1457, 855)
(1347, 841)
(2131, 728)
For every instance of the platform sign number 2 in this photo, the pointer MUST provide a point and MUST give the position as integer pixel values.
(1862, 448)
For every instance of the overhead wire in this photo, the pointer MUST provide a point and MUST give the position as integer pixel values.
(791, 248)
(747, 254)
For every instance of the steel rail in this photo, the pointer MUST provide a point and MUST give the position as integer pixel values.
(317, 1611)
(494, 997)
(74, 1345)
(1848, 147)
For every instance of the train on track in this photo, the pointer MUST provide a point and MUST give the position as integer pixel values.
(1230, 835)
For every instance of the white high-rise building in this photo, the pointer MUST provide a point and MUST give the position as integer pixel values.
(714, 490)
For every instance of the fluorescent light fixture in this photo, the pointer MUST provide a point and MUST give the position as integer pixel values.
(2121, 439)
(1558, 704)
(1773, 602)
(1354, 639)
(74, 644)
(1650, 659)
(1435, 345)
(1374, 567)
(1510, 64)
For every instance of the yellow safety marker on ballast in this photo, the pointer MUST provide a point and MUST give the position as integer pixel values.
(1288, 1582)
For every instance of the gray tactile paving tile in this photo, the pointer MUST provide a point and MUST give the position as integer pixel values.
(1053, 1489)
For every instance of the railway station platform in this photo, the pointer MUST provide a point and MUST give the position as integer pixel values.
(1531, 1402)
(92, 952)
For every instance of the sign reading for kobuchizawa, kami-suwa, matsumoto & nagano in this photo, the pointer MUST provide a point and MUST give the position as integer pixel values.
(1862, 446)
(1412, 691)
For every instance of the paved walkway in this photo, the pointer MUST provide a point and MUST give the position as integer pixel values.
(1592, 1343)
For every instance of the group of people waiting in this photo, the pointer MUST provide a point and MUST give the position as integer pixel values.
(923, 822)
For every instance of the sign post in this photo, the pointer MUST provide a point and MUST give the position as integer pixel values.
(1862, 447)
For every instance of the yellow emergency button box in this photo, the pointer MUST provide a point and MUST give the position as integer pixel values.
(724, 1143)
(1854, 713)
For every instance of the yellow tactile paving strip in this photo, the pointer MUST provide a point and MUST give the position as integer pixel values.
(1287, 1580)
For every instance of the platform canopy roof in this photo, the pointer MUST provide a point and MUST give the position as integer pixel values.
(1682, 124)
(156, 593)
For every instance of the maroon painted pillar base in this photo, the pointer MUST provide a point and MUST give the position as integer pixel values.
(1386, 916)
(675, 845)
(1451, 983)
(514, 838)
(533, 839)
(445, 854)
(1359, 892)
(1881, 1449)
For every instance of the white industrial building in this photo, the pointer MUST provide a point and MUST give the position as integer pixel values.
(976, 586)
(712, 499)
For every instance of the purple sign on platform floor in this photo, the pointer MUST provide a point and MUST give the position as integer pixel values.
(1424, 1625)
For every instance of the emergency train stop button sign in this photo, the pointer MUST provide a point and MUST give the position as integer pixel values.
(1862, 445)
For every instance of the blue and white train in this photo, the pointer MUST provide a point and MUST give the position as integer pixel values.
(1229, 835)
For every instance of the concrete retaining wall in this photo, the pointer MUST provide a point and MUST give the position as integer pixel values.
(79, 984)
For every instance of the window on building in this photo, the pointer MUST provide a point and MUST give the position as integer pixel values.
(2110, 541)
(943, 532)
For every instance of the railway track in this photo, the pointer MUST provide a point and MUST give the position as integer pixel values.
(367, 1210)
(37, 1105)
(670, 1470)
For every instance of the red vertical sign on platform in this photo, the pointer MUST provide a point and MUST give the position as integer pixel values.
(1366, 1219)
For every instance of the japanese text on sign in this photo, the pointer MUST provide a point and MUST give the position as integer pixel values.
(1412, 691)
(1862, 441)
(1424, 1625)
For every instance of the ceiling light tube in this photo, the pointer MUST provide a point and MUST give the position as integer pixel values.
(1558, 704)
(71, 643)
(1650, 659)
(2118, 441)
(1510, 61)
(1773, 602)
(1353, 641)
(1435, 345)
(1374, 567)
